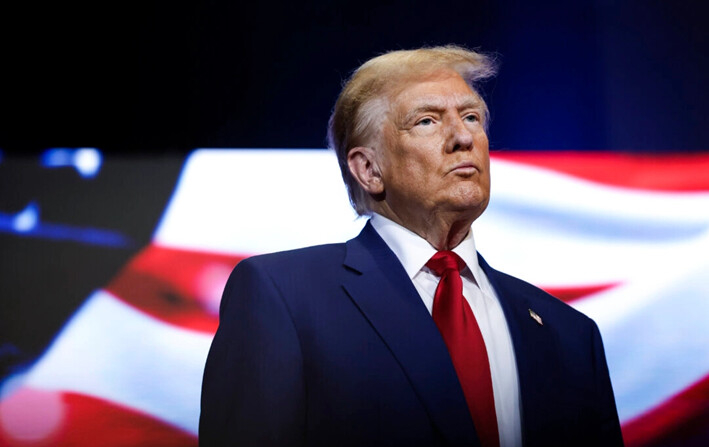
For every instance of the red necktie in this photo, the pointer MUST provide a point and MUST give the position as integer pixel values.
(465, 343)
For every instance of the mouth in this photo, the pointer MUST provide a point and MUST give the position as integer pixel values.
(466, 168)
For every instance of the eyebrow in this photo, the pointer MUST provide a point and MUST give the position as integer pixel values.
(436, 105)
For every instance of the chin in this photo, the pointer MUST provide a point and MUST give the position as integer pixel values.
(469, 209)
(472, 199)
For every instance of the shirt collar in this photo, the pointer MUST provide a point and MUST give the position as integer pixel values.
(414, 251)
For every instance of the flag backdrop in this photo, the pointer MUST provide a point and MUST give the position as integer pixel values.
(622, 238)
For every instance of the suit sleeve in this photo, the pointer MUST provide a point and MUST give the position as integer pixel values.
(253, 388)
(608, 430)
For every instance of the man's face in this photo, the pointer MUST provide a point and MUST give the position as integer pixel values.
(435, 156)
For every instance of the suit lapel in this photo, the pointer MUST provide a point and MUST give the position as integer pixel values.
(383, 292)
(535, 350)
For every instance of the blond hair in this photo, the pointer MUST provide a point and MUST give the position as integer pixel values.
(361, 107)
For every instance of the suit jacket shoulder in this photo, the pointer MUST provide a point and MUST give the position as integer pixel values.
(540, 301)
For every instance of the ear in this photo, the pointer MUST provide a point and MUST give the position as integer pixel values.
(363, 166)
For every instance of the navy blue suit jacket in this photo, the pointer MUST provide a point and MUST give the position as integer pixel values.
(332, 346)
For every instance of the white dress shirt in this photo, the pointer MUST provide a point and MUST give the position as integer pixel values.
(414, 252)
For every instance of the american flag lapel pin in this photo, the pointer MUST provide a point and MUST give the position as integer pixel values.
(535, 316)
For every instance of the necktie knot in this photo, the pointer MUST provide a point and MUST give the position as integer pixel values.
(445, 261)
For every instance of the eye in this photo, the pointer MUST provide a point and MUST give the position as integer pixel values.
(424, 122)
(471, 118)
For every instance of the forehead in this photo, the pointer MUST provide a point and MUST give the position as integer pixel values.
(440, 90)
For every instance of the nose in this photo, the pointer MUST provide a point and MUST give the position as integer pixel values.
(460, 137)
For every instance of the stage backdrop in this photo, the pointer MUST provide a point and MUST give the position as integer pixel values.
(112, 270)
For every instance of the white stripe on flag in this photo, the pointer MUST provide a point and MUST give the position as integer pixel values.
(255, 201)
(554, 229)
(655, 331)
(111, 350)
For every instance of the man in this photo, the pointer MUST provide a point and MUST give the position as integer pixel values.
(404, 335)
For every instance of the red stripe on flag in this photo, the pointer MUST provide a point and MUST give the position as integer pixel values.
(660, 172)
(181, 287)
(568, 294)
(681, 420)
(37, 418)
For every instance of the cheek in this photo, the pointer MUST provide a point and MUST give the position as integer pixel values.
(410, 175)
(397, 170)
(481, 140)
(481, 145)
(412, 161)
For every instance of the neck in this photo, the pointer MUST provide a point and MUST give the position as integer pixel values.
(444, 231)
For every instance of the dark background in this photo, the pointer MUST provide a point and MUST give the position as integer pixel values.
(166, 77)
